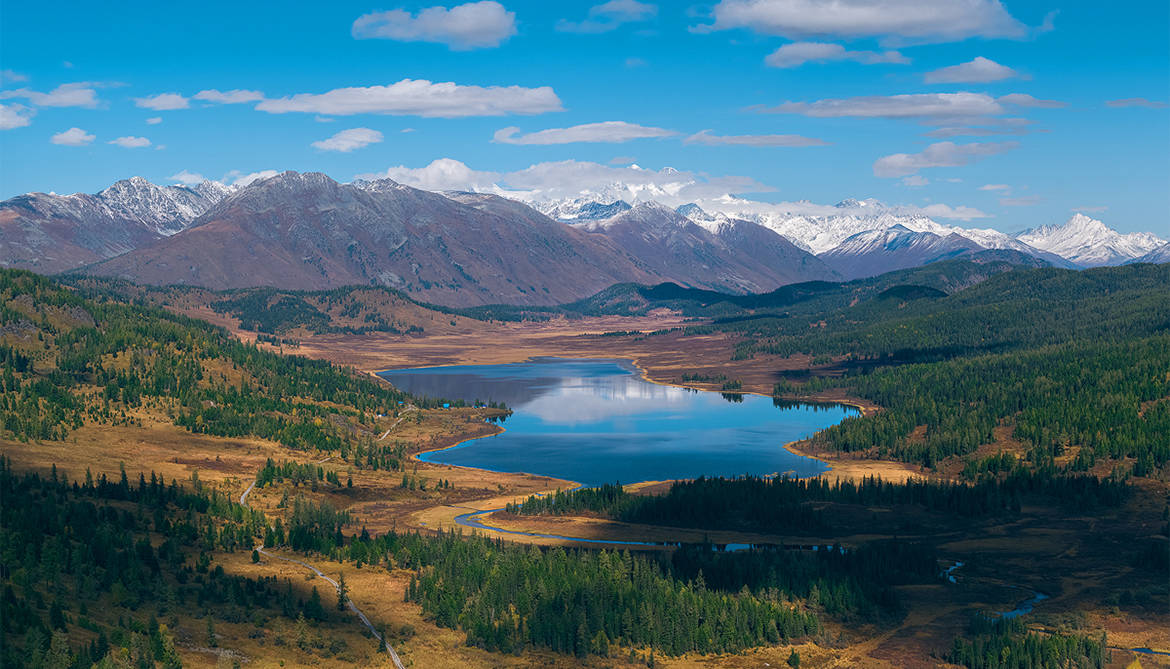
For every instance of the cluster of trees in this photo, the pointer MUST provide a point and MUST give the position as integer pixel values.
(298, 474)
(1105, 397)
(99, 358)
(75, 555)
(783, 504)
(998, 643)
(1063, 357)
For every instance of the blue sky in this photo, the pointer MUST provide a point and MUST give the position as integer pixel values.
(915, 102)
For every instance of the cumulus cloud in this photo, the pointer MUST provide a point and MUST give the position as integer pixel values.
(940, 154)
(419, 97)
(1025, 100)
(440, 174)
(893, 21)
(130, 142)
(610, 16)
(163, 102)
(799, 53)
(238, 178)
(613, 132)
(475, 25)
(188, 178)
(349, 140)
(77, 94)
(572, 178)
(960, 212)
(232, 97)
(913, 106)
(15, 116)
(72, 137)
(1136, 102)
(980, 70)
(705, 137)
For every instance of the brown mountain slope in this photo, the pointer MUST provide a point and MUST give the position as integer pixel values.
(308, 232)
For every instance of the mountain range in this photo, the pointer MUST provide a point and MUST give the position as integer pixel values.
(307, 231)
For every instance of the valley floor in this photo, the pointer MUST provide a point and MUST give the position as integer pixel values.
(1068, 558)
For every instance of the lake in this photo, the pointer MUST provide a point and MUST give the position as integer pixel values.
(599, 421)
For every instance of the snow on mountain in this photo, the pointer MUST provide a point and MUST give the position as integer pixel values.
(877, 251)
(164, 209)
(49, 233)
(1089, 242)
(581, 209)
(1157, 256)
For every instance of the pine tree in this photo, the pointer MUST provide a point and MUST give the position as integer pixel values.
(342, 593)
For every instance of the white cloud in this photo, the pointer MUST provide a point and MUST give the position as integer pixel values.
(621, 160)
(188, 178)
(946, 211)
(1136, 102)
(894, 21)
(419, 97)
(238, 178)
(475, 25)
(997, 126)
(940, 154)
(72, 137)
(980, 70)
(130, 142)
(606, 131)
(1091, 210)
(571, 178)
(635, 62)
(11, 75)
(609, 16)
(232, 97)
(915, 181)
(440, 174)
(1025, 100)
(77, 94)
(406, 130)
(994, 187)
(799, 53)
(705, 137)
(163, 102)
(918, 105)
(154, 120)
(15, 116)
(349, 140)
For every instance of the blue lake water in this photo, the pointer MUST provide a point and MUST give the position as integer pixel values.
(598, 421)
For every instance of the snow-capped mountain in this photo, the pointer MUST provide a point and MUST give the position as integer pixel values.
(1157, 256)
(1089, 242)
(49, 233)
(714, 251)
(873, 252)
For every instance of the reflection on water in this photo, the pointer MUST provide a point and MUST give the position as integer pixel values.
(598, 421)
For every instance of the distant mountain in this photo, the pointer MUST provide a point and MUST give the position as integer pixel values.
(1090, 243)
(729, 255)
(52, 233)
(878, 251)
(1158, 255)
(308, 232)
